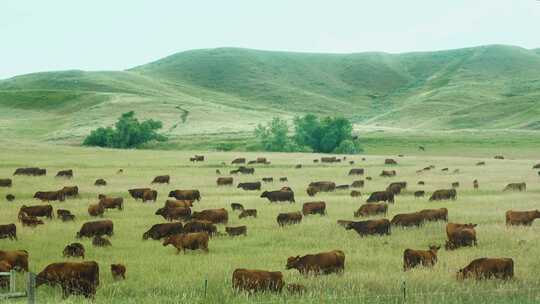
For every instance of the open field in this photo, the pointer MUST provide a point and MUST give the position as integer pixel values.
(373, 266)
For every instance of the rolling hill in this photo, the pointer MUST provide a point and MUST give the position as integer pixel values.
(230, 90)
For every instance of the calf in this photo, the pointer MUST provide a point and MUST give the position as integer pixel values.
(237, 206)
(100, 182)
(419, 193)
(8, 231)
(10, 197)
(235, 231)
(100, 241)
(355, 193)
(250, 186)
(252, 280)
(174, 213)
(192, 241)
(248, 212)
(30, 221)
(74, 250)
(320, 263)
(413, 258)
(118, 271)
(162, 179)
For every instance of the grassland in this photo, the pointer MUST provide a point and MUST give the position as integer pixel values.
(373, 270)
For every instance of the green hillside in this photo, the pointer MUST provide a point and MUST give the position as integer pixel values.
(227, 91)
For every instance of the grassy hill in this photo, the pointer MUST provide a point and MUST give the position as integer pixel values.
(227, 91)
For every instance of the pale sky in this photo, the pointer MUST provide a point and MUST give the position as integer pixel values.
(38, 35)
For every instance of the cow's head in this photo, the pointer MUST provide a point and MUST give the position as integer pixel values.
(292, 262)
(434, 248)
(264, 194)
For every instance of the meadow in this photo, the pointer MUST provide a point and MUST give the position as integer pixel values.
(373, 265)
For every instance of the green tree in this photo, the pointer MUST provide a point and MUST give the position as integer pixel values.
(274, 136)
(324, 135)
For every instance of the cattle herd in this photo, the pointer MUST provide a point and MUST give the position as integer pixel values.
(189, 227)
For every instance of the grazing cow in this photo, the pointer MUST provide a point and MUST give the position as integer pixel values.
(388, 173)
(46, 196)
(323, 186)
(120, 171)
(486, 268)
(162, 179)
(369, 178)
(370, 227)
(243, 170)
(96, 210)
(355, 193)
(408, 219)
(421, 148)
(149, 196)
(268, 179)
(137, 193)
(299, 166)
(240, 160)
(331, 159)
(65, 173)
(283, 179)
(344, 223)
(236, 231)
(215, 216)
(30, 221)
(38, 211)
(75, 250)
(10, 197)
(396, 187)
(426, 258)
(475, 184)
(498, 157)
(444, 169)
(111, 202)
(315, 161)
(421, 183)
(8, 231)
(311, 191)
(65, 215)
(435, 214)
(381, 196)
(320, 263)
(390, 161)
(30, 171)
(201, 226)
(192, 241)
(17, 259)
(159, 231)
(218, 172)
(289, 218)
(482, 163)
(248, 212)
(516, 187)
(443, 194)
(96, 228)
(314, 208)
(224, 181)
(70, 191)
(100, 182)
(191, 195)
(237, 206)
(455, 185)
(178, 203)
(524, 218)
(371, 209)
(358, 184)
(100, 241)
(279, 196)
(6, 182)
(250, 186)
(74, 278)
(174, 213)
(262, 160)
(253, 280)
(343, 187)
(419, 193)
(460, 235)
(356, 171)
(351, 162)
(118, 271)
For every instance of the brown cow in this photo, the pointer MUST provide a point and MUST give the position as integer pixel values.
(174, 213)
(8, 231)
(235, 231)
(137, 193)
(149, 195)
(311, 191)
(516, 187)
(358, 184)
(369, 227)
(18, 259)
(434, 214)
(178, 203)
(96, 210)
(486, 268)
(201, 226)
(239, 160)
(243, 170)
(70, 191)
(30, 171)
(100, 241)
(390, 161)
(161, 179)
(323, 186)
(237, 206)
(283, 179)
(10, 197)
(111, 202)
(421, 183)
(371, 209)
(248, 212)
(30, 221)
(65, 215)
(38, 211)
(443, 194)
(73, 277)
(253, 280)
(118, 271)
(6, 182)
(498, 157)
(191, 195)
(46, 196)
(289, 218)
(250, 186)
(314, 208)
(388, 173)
(455, 185)
(381, 196)
(100, 182)
(355, 193)
(279, 196)
(65, 173)
(215, 216)
(224, 181)
(475, 184)
(460, 235)
(268, 179)
(426, 258)
(320, 263)
(329, 159)
(192, 241)
(524, 218)
(408, 219)
(99, 228)
(159, 231)
(419, 193)
(482, 163)
(356, 171)
(75, 250)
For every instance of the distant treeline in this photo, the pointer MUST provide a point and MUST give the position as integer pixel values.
(311, 134)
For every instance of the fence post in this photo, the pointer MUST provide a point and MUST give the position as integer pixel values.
(205, 286)
(31, 288)
(12, 288)
(404, 290)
